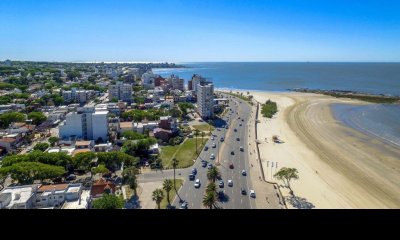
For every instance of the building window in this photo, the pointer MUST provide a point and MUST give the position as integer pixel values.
(60, 197)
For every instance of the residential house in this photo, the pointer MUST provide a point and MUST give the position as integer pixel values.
(18, 197)
(101, 186)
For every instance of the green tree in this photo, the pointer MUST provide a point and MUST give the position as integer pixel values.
(167, 186)
(3, 178)
(286, 175)
(109, 201)
(158, 196)
(101, 169)
(82, 160)
(58, 101)
(114, 100)
(37, 117)
(114, 160)
(41, 147)
(210, 200)
(184, 106)
(129, 176)
(53, 140)
(7, 118)
(213, 173)
(133, 135)
(138, 148)
(211, 187)
(27, 172)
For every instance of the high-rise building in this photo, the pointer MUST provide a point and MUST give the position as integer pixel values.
(85, 124)
(177, 83)
(120, 91)
(205, 100)
(148, 80)
(196, 80)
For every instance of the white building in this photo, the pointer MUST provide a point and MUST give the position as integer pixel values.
(56, 195)
(205, 100)
(177, 83)
(19, 197)
(196, 80)
(120, 91)
(78, 96)
(85, 124)
(148, 80)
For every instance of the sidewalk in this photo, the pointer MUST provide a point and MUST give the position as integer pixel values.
(267, 194)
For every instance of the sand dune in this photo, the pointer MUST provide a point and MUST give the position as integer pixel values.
(338, 166)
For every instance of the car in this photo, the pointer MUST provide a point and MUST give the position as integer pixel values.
(221, 184)
(197, 184)
(230, 183)
(194, 171)
(222, 139)
(184, 205)
(252, 194)
(212, 138)
(191, 177)
(227, 127)
(204, 164)
(206, 148)
(209, 166)
(242, 120)
(243, 191)
(235, 130)
(244, 173)
(146, 164)
(241, 149)
(212, 157)
(231, 166)
(214, 145)
(70, 177)
(239, 118)
(232, 153)
(238, 139)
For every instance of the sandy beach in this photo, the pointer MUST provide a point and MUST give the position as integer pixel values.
(338, 166)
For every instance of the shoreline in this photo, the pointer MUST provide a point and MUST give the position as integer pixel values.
(339, 167)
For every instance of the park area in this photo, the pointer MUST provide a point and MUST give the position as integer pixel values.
(185, 153)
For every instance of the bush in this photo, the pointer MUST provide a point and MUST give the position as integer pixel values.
(269, 109)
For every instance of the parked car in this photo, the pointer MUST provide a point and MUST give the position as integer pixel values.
(241, 149)
(235, 130)
(209, 166)
(214, 145)
(238, 139)
(231, 166)
(244, 173)
(232, 153)
(243, 191)
(184, 205)
(212, 157)
(206, 148)
(222, 139)
(204, 164)
(221, 184)
(221, 195)
(194, 171)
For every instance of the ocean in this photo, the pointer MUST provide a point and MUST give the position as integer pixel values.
(376, 120)
(378, 78)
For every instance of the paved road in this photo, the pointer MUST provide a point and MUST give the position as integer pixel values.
(233, 197)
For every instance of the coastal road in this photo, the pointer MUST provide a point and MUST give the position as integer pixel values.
(233, 197)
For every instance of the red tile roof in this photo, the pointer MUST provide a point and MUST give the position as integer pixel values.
(56, 187)
(9, 140)
(100, 186)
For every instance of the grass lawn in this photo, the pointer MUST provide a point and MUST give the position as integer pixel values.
(185, 153)
(167, 154)
(172, 194)
(204, 127)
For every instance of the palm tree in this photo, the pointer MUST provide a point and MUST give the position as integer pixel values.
(158, 196)
(130, 177)
(210, 122)
(209, 199)
(175, 163)
(211, 187)
(167, 186)
(213, 174)
(196, 133)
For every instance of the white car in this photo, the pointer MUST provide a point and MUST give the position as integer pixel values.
(252, 194)
(214, 145)
(212, 157)
(212, 138)
(230, 183)
(197, 183)
(244, 172)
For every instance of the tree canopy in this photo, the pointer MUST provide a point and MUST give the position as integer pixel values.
(27, 172)
(41, 147)
(286, 175)
(37, 117)
(114, 160)
(109, 201)
(7, 118)
(133, 135)
(138, 148)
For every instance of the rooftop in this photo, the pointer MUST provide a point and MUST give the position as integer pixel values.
(20, 194)
(56, 187)
(85, 194)
(125, 124)
(9, 140)
(82, 143)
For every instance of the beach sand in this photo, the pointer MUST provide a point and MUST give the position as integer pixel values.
(338, 166)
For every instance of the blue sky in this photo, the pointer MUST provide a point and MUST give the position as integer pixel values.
(200, 30)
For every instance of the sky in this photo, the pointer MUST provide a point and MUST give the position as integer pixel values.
(200, 30)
